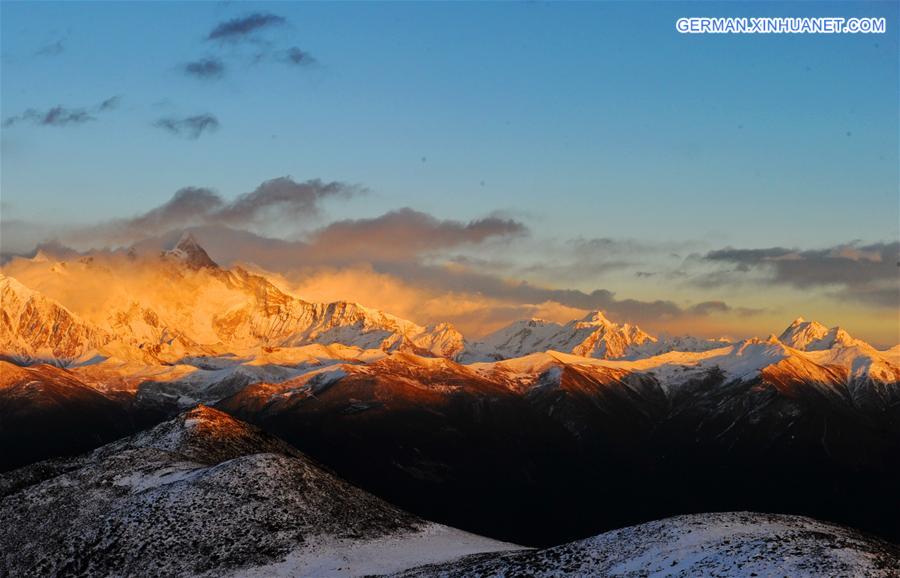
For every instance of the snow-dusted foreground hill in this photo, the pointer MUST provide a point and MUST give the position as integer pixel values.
(734, 544)
(205, 494)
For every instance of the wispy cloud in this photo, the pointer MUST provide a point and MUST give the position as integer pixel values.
(296, 57)
(62, 116)
(237, 29)
(205, 68)
(190, 126)
(110, 103)
(52, 49)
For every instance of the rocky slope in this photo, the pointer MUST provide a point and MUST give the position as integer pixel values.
(736, 544)
(46, 411)
(204, 494)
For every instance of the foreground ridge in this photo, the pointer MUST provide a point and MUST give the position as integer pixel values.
(206, 494)
(736, 544)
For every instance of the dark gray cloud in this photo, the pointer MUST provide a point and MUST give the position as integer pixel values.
(205, 68)
(405, 234)
(190, 205)
(276, 199)
(288, 197)
(190, 126)
(296, 57)
(867, 273)
(60, 115)
(239, 28)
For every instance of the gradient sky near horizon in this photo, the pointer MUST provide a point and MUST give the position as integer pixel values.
(580, 120)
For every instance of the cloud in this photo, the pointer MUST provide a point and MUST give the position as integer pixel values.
(110, 103)
(206, 68)
(866, 273)
(60, 115)
(399, 245)
(710, 307)
(237, 29)
(521, 292)
(52, 49)
(280, 199)
(403, 234)
(289, 198)
(296, 57)
(189, 127)
(404, 261)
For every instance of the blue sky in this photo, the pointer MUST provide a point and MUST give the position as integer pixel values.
(604, 107)
(578, 119)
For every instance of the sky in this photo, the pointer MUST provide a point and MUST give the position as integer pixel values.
(517, 157)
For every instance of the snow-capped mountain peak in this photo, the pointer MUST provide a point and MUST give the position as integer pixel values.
(813, 336)
(591, 336)
(594, 318)
(36, 328)
(189, 251)
(150, 310)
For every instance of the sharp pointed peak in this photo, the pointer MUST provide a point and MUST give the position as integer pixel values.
(187, 239)
(596, 317)
(189, 251)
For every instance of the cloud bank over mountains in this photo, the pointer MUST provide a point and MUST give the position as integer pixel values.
(478, 274)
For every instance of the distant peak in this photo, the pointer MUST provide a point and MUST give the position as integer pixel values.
(187, 238)
(797, 321)
(596, 317)
(189, 251)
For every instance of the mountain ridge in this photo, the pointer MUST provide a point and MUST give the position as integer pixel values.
(205, 494)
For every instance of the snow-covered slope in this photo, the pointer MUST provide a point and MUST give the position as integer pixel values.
(734, 544)
(592, 336)
(813, 336)
(34, 328)
(205, 494)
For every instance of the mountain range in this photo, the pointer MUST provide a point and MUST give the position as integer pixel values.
(609, 425)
